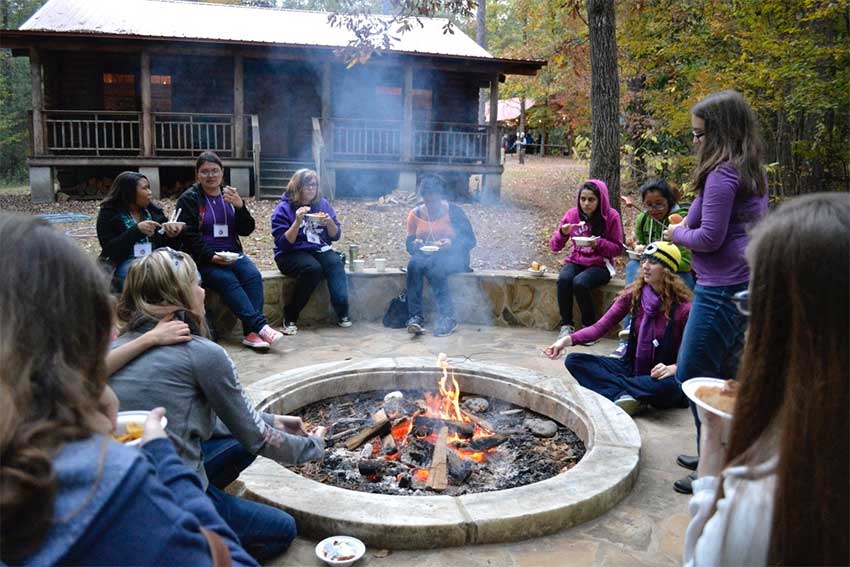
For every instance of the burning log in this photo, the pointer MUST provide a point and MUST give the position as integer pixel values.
(388, 445)
(438, 473)
(483, 443)
(459, 469)
(381, 426)
(482, 423)
(372, 469)
(462, 428)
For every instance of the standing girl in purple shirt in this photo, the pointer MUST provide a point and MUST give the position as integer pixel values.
(731, 198)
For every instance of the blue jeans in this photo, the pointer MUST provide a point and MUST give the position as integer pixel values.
(120, 274)
(240, 286)
(437, 268)
(265, 532)
(631, 273)
(713, 337)
(614, 377)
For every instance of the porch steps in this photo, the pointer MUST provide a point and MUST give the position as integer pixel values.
(275, 173)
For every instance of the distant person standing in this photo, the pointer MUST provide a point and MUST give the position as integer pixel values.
(731, 198)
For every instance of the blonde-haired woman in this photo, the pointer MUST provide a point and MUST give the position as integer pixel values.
(302, 247)
(197, 383)
(659, 303)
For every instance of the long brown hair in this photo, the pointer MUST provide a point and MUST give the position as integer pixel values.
(794, 376)
(673, 291)
(55, 321)
(732, 136)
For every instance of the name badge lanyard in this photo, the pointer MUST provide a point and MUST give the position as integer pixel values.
(219, 230)
(144, 246)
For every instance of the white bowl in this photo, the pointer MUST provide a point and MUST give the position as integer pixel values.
(140, 417)
(175, 224)
(336, 546)
(229, 256)
(584, 240)
(314, 217)
(429, 249)
(633, 255)
(536, 273)
(690, 387)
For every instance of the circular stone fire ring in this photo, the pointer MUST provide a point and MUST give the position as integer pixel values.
(601, 479)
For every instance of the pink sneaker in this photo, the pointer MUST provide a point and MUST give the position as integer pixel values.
(253, 340)
(270, 335)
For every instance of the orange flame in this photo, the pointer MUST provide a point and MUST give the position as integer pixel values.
(421, 475)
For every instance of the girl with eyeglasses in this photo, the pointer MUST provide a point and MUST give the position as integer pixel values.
(589, 264)
(304, 227)
(731, 198)
(216, 216)
(777, 492)
(212, 422)
(659, 303)
(659, 203)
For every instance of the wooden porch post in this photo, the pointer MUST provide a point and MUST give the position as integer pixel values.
(495, 142)
(407, 123)
(239, 105)
(326, 93)
(327, 176)
(147, 118)
(39, 146)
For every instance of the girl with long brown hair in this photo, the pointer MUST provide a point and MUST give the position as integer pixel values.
(69, 494)
(778, 493)
(731, 198)
(659, 303)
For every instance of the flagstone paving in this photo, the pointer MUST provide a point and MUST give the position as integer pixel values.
(646, 528)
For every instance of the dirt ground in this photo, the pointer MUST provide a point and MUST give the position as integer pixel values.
(510, 234)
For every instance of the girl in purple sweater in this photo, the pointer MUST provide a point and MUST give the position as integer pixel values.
(587, 265)
(659, 303)
(731, 198)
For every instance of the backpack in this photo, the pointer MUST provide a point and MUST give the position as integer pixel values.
(396, 315)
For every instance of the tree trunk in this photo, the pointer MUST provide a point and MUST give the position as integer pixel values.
(604, 97)
(481, 39)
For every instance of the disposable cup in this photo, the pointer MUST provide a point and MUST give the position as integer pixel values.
(381, 264)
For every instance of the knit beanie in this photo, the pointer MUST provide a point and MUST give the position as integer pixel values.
(665, 253)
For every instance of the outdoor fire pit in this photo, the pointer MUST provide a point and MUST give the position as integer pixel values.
(436, 489)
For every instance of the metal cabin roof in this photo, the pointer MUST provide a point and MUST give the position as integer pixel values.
(161, 19)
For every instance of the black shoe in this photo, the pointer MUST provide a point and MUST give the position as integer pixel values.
(688, 461)
(415, 325)
(685, 485)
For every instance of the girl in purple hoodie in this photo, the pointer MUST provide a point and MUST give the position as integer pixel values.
(588, 264)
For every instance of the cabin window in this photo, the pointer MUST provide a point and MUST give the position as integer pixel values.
(161, 93)
(119, 91)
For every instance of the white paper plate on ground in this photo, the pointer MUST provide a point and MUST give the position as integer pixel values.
(136, 418)
(584, 240)
(690, 387)
(340, 551)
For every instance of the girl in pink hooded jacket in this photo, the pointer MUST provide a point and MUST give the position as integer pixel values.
(587, 265)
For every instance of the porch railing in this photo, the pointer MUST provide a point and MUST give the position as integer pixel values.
(450, 142)
(381, 140)
(86, 132)
(190, 133)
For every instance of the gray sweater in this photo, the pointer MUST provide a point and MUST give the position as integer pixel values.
(196, 382)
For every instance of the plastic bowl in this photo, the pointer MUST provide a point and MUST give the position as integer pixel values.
(350, 548)
(429, 249)
(140, 417)
(633, 255)
(175, 224)
(583, 240)
(690, 387)
(536, 273)
(314, 217)
(229, 256)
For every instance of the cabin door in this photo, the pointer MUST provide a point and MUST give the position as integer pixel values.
(273, 108)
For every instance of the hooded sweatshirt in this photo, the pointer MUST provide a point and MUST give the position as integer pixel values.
(609, 246)
(311, 237)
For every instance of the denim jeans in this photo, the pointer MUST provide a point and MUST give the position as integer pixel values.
(579, 280)
(240, 286)
(632, 267)
(614, 377)
(265, 532)
(309, 268)
(437, 268)
(713, 337)
(120, 274)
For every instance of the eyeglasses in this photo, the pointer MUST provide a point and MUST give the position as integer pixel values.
(209, 172)
(309, 185)
(657, 207)
(697, 134)
(742, 301)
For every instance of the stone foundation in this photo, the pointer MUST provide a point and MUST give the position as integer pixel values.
(486, 297)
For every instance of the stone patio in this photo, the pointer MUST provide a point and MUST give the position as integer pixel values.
(646, 528)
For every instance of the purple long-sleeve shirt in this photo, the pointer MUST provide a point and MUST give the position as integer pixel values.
(719, 221)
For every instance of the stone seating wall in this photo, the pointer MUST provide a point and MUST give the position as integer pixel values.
(482, 297)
